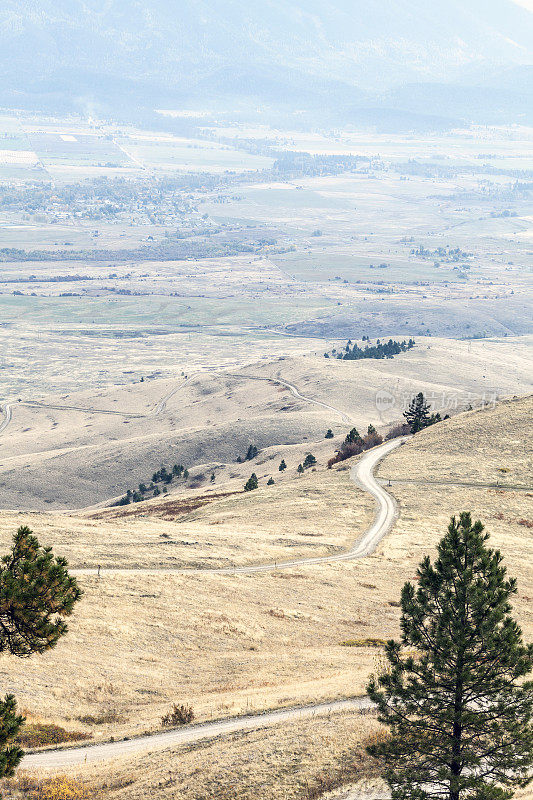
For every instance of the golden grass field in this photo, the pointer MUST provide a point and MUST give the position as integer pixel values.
(230, 644)
(293, 762)
(63, 458)
(297, 517)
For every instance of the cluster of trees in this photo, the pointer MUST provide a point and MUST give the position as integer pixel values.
(354, 444)
(352, 352)
(216, 246)
(417, 417)
(251, 453)
(309, 461)
(144, 491)
(49, 279)
(301, 164)
(448, 254)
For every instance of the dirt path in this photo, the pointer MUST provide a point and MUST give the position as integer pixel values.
(503, 487)
(362, 475)
(296, 393)
(7, 418)
(59, 759)
(162, 404)
(87, 409)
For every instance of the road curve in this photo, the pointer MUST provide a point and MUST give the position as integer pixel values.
(7, 418)
(294, 391)
(70, 757)
(162, 404)
(361, 474)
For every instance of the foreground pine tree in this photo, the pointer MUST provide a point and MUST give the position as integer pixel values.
(36, 593)
(459, 713)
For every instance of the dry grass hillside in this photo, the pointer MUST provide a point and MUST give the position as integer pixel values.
(297, 517)
(229, 644)
(296, 761)
(62, 457)
(471, 462)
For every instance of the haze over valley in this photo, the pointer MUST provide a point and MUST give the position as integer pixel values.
(265, 326)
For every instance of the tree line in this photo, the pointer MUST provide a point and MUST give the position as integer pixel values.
(352, 352)
(417, 417)
(145, 491)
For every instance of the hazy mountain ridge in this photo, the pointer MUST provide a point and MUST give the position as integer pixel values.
(368, 45)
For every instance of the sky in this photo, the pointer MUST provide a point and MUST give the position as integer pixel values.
(526, 3)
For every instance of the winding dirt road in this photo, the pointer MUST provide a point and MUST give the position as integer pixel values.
(295, 392)
(162, 404)
(362, 475)
(7, 417)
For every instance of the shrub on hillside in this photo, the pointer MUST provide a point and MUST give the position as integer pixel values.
(60, 787)
(105, 717)
(402, 429)
(39, 735)
(180, 715)
(354, 444)
(372, 440)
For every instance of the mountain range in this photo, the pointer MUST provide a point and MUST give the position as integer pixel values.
(422, 56)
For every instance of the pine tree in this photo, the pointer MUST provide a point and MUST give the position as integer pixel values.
(309, 461)
(36, 593)
(352, 437)
(270, 482)
(251, 453)
(282, 465)
(252, 483)
(300, 469)
(458, 710)
(417, 415)
(329, 434)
